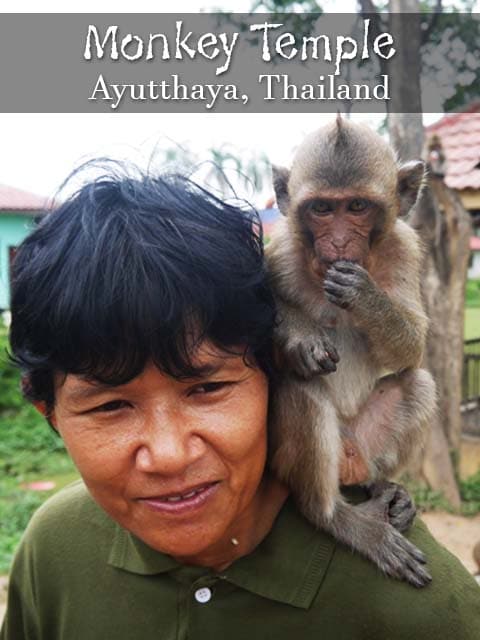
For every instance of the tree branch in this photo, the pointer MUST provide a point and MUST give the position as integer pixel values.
(436, 12)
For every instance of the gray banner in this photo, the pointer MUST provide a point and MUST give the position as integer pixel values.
(66, 63)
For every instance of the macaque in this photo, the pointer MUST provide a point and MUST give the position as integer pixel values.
(352, 403)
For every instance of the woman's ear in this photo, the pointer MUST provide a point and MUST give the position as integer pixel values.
(41, 407)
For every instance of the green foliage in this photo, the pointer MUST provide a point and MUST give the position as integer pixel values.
(450, 41)
(29, 450)
(280, 6)
(26, 440)
(472, 294)
(428, 500)
(16, 509)
(470, 489)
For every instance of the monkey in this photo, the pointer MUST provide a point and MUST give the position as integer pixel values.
(351, 402)
(436, 156)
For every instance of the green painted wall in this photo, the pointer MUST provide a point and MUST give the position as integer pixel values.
(14, 227)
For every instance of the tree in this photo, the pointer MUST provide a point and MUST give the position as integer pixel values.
(444, 227)
(223, 168)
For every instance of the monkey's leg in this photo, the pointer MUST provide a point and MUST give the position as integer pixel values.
(306, 446)
(392, 425)
(389, 430)
(378, 541)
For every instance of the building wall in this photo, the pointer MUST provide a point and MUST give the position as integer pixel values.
(470, 198)
(474, 269)
(14, 228)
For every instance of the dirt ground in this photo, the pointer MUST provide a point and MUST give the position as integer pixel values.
(459, 535)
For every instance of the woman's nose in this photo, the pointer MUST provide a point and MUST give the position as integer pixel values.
(168, 445)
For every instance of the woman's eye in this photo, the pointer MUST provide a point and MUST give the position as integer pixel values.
(114, 405)
(208, 387)
(320, 206)
(358, 204)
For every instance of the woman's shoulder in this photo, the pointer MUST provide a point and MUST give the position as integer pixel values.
(71, 515)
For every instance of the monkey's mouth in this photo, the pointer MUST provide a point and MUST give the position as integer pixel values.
(328, 262)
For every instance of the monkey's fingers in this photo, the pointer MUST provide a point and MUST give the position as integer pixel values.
(405, 561)
(401, 509)
(345, 266)
(323, 360)
(330, 349)
(337, 295)
(333, 354)
(402, 521)
(400, 505)
(417, 577)
(309, 360)
(343, 279)
(381, 496)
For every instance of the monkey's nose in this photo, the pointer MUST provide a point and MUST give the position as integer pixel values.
(340, 245)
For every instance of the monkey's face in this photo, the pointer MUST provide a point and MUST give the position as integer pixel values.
(340, 228)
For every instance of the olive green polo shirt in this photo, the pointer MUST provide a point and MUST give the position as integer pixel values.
(79, 576)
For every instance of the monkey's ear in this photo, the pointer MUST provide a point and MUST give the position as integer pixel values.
(280, 177)
(411, 178)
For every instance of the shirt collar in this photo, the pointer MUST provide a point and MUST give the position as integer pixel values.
(288, 566)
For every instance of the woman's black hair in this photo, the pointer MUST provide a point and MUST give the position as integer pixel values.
(136, 269)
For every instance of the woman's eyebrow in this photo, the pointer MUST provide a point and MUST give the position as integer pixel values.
(211, 366)
(215, 364)
(88, 392)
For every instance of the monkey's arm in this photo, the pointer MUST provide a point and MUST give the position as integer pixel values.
(385, 302)
(306, 349)
(393, 321)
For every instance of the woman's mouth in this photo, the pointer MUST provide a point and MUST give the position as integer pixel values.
(187, 500)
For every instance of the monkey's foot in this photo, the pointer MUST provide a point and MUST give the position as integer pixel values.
(376, 539)
(399, 558)
(391, 503)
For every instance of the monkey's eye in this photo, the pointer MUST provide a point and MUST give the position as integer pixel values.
(359, 204)
(320, 207)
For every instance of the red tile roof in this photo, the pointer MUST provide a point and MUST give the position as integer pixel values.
(460, 138)
(475, 243)
(12, 199)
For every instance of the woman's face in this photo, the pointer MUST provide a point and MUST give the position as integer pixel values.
(179, 464)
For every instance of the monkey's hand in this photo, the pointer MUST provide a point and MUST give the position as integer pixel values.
(347, 285)
(391, 502)
(311, 356)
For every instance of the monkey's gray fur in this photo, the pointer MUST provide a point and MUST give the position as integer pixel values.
(364, 314)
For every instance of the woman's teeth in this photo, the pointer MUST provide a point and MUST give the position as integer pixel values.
(185, 496)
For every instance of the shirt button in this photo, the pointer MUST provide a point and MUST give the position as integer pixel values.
(203, 595)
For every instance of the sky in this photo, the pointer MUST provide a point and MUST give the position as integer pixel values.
(40, 150)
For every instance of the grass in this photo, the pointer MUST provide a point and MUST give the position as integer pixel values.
(17, 505)
(472, 323)
(427, 499)
(472, 293)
